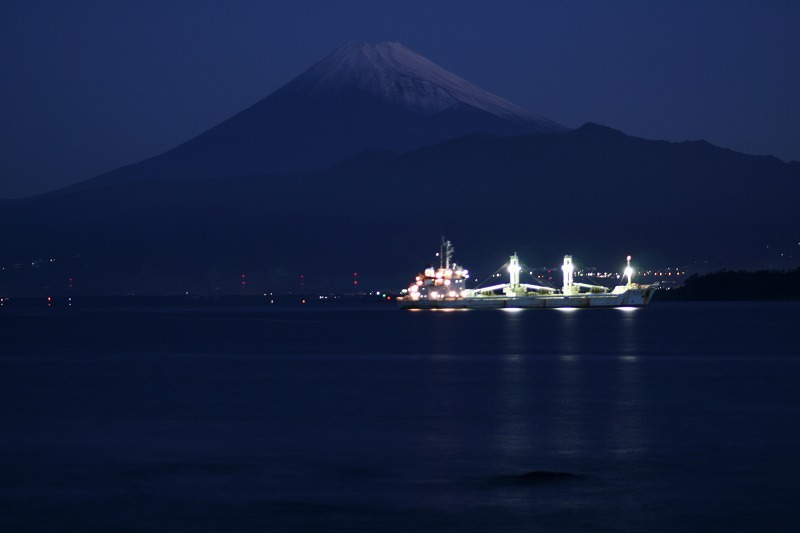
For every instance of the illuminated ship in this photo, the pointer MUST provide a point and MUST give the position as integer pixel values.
(445, 288)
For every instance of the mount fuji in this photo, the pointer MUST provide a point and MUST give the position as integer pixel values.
(363, 96)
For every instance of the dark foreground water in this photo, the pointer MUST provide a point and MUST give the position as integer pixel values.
(674, 418)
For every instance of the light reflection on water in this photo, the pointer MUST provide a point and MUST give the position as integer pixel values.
(547, 411)
(628, 437)
(512, 437)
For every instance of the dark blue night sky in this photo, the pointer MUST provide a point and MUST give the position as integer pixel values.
(89, 86)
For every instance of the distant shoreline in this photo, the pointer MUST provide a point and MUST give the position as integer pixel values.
(183, 301)
(721, 286)
(727, 285)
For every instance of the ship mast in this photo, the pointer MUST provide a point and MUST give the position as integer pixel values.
(445, 254)
(513, 271)
(629, 271)
(448, 254)
(568, 269)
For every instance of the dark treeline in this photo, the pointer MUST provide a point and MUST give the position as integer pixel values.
(739, 285)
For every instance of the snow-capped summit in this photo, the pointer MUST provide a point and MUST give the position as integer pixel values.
(363, 96)
(396, 74)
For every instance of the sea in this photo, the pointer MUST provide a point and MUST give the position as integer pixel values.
(363, 417)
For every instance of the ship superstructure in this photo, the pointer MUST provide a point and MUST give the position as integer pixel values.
(445, 288)
(446, 282)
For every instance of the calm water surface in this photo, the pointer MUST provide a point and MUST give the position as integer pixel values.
(680, 417)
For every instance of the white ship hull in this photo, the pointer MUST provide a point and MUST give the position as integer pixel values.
(444, 288)
(639, 297)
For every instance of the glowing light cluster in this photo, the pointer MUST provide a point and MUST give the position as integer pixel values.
(443, 282)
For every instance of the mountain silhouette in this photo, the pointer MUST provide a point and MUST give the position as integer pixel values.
(593, 192)
(362, 96)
